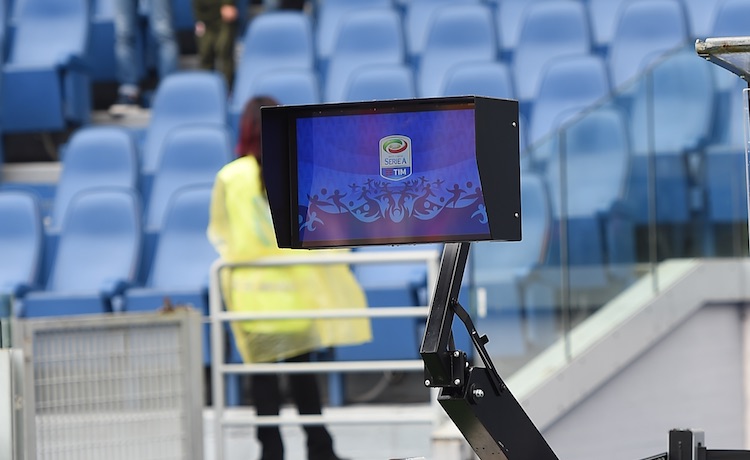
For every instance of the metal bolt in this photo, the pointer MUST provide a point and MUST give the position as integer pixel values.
(456, 354)
(427, 382)
(515, 214)
(514, 124)
(457, 381)
(478, 393)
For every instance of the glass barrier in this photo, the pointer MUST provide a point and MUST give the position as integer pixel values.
(653, 172)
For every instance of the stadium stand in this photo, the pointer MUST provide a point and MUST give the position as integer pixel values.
(603, 16)
(21, 242)
(459, 33)
(365, 37)
(293, 86)
(45, 81)
(81, 281)
(418, 17)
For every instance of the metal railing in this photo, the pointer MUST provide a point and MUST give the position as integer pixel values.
(219, 317)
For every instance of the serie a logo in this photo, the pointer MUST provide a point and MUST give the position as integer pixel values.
(395, 157)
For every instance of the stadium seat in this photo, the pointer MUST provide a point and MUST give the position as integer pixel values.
(646, 30)
(418, 18)
(329, 20)
(45, 82)
(509, 15)
(503, 273)
(102, 56)
(191, 155)
(491, 79)
(459, 33)
(273, 40)
(366, 37)
(293, 86)
(176, 273)
(96, 258)
(184, 98)
(378, 82)
(21, 242)
(592, 226)
(670, 124)
(700, 15)
(603, 15)
(550, 29)
(567, 86)
(94, 157)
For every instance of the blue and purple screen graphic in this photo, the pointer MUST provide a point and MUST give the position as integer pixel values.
(405, 177)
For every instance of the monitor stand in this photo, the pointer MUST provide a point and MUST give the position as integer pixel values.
(475, 398)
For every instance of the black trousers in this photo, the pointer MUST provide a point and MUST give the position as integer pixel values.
(305, 392)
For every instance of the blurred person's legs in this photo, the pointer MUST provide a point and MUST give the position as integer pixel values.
(266, 394)
(126, 28)
(225, 41)
(162, 29)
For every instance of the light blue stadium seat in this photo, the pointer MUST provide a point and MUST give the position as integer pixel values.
(293, 86)
(459, 33)
(700, 15)
(587, 177)
(191, 155)
(367, 37)
(503, 275)
(273, 40)
(95, 156)
(378, 83)
(509, 15)
(330, 18)
(603, 15)
(550, 29)
(418, 18)
(96, 259)
(491, 79)
(21, 242)
(568, 85)
(45, 82)
(184, 98)
(682, 111)
(646, 30)
(179, 273)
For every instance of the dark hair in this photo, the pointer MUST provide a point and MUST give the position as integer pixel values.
(249, 139)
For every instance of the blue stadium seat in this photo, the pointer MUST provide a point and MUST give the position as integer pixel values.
(599, 248)
(682, 111)
(184, 98)
(603, 15)
(491, 79)
(102, 56)
(418, 18)
(567, 86)
(503, 272)
(366, 37)
(329, 20)
(191, 155)
(45, 82)
(646, 30)
(509, 15)
(293, 86)
(94, 157)
(378, 82)
(21, 242)
(550, 29)
(96, 258)
(177, 273)
(700, 15)
(273, 40)
(459, 33)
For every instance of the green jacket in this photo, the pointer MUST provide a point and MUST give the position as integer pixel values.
(209, 10)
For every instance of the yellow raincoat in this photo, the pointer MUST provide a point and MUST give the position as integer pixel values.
(241, 229)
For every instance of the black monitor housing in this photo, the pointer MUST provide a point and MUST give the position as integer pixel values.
(404, 172)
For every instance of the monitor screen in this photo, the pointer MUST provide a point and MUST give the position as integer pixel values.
(388, 177)
(409, 171)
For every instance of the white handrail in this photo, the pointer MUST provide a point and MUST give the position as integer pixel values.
(218, 316)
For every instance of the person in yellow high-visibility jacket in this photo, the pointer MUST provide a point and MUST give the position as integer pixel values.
(241, 229)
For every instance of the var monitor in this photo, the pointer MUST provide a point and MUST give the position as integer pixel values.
(393, 172)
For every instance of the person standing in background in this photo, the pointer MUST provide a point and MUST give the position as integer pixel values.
(161, 27)
(241, 230)
(216, 32)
